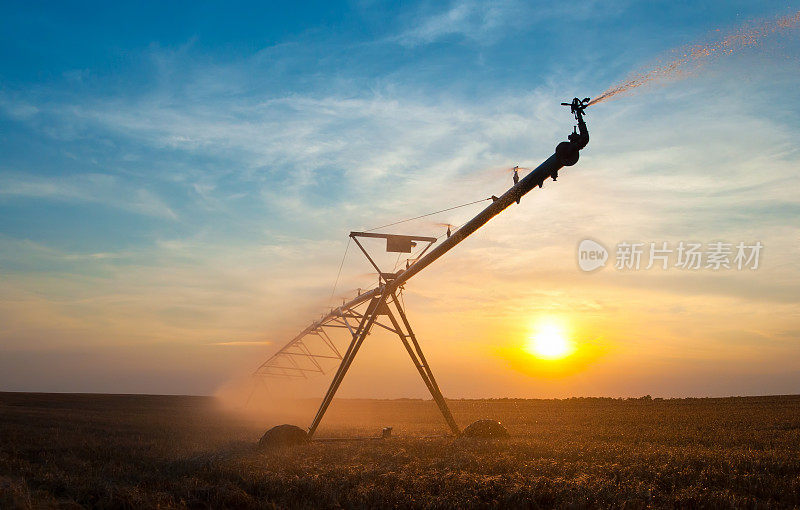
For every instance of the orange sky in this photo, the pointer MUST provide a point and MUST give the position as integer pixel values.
(172, 215)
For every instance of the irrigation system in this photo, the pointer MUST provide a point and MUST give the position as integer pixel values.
(306, 353)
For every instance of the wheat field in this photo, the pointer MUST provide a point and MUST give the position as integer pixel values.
(137, 451)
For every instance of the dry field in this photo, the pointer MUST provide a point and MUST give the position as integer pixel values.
(114, 451)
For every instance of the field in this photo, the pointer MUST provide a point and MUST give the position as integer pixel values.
(132, 451)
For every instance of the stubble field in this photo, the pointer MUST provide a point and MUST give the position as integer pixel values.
(132, 451)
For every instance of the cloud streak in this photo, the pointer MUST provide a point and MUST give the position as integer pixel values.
(103, 189)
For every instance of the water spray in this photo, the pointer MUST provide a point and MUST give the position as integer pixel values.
(693, 57)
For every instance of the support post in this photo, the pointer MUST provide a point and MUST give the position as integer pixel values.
(418, 358)
(362, 331)
(376, 307)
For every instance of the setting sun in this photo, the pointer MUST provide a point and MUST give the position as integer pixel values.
(549, 341)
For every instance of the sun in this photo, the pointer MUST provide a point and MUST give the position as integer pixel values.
(549, 341)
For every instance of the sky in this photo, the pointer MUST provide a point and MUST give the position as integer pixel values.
(177, 181)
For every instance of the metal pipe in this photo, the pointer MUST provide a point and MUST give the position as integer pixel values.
(336, 312)
(534, 178)
(566, 154)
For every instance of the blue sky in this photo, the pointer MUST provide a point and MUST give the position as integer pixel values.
(173, 176)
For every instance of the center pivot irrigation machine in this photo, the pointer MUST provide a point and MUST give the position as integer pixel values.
(297, 359)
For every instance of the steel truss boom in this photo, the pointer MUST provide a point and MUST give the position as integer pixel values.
(297, 359)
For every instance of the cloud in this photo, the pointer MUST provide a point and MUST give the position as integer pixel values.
(103, 189)
(485, 22)
(321, 161)
(241, 344)
(469, 19)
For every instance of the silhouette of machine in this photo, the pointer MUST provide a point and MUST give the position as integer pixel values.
(382, 307)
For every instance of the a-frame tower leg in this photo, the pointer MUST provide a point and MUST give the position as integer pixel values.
(406, 334)
(380, 306)
(361, 332)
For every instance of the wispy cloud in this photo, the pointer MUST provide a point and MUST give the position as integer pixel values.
(241, 344)
(103, 189)
(485, 22)
(469, 19)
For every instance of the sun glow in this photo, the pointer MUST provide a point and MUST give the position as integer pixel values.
(549, 341)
